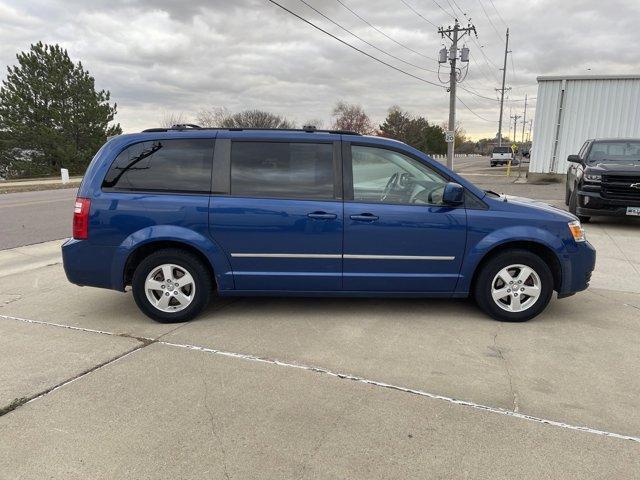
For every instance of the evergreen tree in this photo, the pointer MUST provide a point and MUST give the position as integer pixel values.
(51, 115)
(414, 131)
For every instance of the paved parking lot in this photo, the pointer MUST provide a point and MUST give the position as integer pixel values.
(322, 388)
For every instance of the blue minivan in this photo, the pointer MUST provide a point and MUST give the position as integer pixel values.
(184, 213)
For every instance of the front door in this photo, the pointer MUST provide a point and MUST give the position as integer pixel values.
(280, 223)
(398, 235)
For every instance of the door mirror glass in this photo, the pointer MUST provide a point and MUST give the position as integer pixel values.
(453, 194)
(574, 159)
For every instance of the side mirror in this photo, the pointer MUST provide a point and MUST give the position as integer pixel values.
(453, 194)
(574, 159)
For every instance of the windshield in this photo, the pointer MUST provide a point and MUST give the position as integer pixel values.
(616, 151)
(502, 150)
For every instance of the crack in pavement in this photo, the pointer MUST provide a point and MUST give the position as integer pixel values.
(214, 430)
(498, 350)
(330, 373)
(18, 403)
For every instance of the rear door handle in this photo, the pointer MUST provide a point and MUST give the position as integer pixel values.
(364, 217)
(322, 215)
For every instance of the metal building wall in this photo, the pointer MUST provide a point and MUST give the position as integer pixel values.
(592, 107)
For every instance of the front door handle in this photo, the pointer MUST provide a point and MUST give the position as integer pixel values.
(364, 217)
(322, 215)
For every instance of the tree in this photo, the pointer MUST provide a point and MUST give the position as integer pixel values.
(351, 117)
(415, 131)
(168, 120)
(222, 118)
(50, 109)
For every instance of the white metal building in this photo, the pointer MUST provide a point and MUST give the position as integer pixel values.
(572, 109)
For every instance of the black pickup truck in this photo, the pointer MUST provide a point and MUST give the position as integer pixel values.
(604, 179)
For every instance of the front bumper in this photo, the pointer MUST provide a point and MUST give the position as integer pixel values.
(591, 203)
(577, 267)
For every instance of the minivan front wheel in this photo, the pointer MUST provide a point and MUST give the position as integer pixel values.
(514, 286)
(171, 285)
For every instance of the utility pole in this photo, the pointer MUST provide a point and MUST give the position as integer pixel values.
(454, 34)
(524, 118)
(502, 90)
(529, 133)
(515, 123)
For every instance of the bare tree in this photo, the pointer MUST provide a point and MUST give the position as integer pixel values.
(169, 119)
(352, 117)
(213, 117)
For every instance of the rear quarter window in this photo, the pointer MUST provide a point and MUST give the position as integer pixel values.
(174, 165)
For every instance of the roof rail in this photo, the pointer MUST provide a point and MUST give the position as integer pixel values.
(191, 126)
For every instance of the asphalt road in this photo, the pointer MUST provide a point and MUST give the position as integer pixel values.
(33, 217)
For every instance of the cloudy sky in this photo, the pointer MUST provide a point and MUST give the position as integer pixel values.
(178, 57)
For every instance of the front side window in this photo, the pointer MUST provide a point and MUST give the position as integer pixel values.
(163, 165)
(280, 169)
(385, 176)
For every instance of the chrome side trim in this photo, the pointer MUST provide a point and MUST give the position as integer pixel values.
(286, 255)
(347, 256)
(397, 257)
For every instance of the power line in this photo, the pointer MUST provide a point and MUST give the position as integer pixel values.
(461, 11)
(489, 18)
(440, 7)
(364, 41)
(498, 12)
(353, 46)
(419, 14)
(478, 95)
(477, 115)
(381, 32)
(452, 9)
(308, 22)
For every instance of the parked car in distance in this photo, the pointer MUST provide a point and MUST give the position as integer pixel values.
(181, 214)
(502, 156)
(604, 179)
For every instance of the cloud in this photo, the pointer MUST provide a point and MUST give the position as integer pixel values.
(164, 56)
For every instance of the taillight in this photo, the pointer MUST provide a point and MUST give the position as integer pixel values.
(81, 218)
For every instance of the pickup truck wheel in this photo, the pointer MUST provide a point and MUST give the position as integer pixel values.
(514, 286)
(171, 285)
(493, 164)
(573, 205)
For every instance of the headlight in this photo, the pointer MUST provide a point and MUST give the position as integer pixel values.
(593, 177)
(577, 231)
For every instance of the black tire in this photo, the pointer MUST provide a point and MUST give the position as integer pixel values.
(489, 270)
(190, 263)
(573, 206)
(493, 164)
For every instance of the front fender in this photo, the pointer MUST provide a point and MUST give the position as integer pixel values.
(157, 233)
(485, 243)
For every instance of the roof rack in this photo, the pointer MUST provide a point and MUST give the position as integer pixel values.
(190, 126)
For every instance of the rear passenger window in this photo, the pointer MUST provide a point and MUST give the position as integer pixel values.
(163, 165)
(275, 169)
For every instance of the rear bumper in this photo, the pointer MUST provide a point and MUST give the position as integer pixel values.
(89, 265)
(594, 204)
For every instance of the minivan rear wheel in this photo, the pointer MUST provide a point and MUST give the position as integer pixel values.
(171, 285)
(514, 286)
